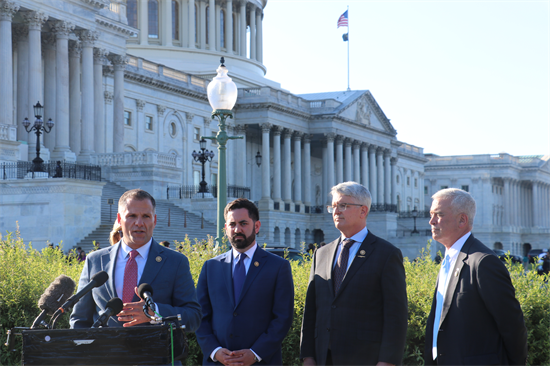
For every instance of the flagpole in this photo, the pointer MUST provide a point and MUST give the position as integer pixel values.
(348, 48)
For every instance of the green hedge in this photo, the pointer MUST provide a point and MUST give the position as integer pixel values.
(25, 273)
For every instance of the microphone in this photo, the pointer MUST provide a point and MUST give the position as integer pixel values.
(112, 308)
(97, 280)
(145, 291)
(59, 290)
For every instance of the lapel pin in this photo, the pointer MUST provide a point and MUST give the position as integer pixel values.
(159, 259)
(457, 272)
(256, 264)
(362, 252)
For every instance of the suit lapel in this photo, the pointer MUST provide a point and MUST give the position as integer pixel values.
(108, 264)
(256, 265)
(227, 269)
(365, 250)
(155, 260)
(330, 262)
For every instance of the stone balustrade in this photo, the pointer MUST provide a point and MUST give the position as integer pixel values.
(137, 158)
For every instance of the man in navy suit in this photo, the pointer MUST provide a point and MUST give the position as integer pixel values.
(246, 295)
(137, 258)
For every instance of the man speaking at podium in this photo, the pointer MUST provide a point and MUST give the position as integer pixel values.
(137, 258)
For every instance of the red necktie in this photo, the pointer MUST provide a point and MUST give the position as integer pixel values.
(342, 264)
(130, 278)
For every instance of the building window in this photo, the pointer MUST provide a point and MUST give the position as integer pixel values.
(222, 29)
(397, 179)
(444, 187)
(127, 118)
(197, 133)
(213, 179)
(408, 181)
(196, 24)
(214, 142)
(196, 178)
(153, 8)
(173, 129)
(415, 182)
(425, 189)
(234, 32)
(465, 188)
(207, 22)
(131, 14)
(175, 20)
(149, 123)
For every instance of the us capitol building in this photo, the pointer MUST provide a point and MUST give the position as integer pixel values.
(125, 83)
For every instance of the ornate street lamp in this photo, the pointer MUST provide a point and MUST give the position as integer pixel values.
(222, 96)
(415, 215)
(203, 157)
(38, 127)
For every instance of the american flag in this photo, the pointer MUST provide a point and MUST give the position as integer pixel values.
(343, 20)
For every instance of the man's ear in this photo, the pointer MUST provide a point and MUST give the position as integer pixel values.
(463, 220)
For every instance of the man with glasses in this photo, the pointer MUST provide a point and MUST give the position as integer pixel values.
(356, 303)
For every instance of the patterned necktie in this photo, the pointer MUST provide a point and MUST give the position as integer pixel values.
(239, 275)
(342, 264)
(130, 277)
(441, 288)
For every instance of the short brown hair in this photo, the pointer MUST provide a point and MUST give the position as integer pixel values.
(253, 212)
(137, 194)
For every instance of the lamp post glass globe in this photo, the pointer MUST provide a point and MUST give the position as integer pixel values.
(222, 91)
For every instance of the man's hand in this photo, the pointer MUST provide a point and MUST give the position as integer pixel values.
(223, 355)
(309, 361)
(243, 357)
(132, 313)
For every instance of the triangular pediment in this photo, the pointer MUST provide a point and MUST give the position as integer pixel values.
(364, 110)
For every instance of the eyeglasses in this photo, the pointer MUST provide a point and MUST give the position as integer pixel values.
(341, 207)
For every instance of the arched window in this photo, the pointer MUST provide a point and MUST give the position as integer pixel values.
(287, 235)
(277, 235)
(175, 20)
(297, 238)
(131, 13)
(235, 35)
(153, 8)
(222, 28)
(207, 23)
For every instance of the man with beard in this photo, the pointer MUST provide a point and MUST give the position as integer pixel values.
(246, 295)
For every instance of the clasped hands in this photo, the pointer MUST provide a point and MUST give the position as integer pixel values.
(243, 357)
(132, 313)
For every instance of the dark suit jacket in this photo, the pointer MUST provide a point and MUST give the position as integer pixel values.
(481, 320)
(259, 320)
(167, 271)
(366, 321)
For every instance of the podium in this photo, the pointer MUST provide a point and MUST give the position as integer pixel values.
(139, 345)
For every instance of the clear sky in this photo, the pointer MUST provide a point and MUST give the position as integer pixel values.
(454, 77)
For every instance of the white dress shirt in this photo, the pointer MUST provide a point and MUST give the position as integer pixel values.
(359, 238)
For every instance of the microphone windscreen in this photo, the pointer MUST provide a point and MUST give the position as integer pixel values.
(56, 294)
(144, 287)
(100, 278)
(116, 304)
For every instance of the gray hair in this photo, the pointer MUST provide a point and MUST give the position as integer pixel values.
(355, 190)
(461, 201)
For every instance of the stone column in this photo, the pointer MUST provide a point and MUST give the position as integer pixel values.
(365, 164)
(507, 199)
(242, 31)
(324, 186)
(119, 62)
(380, 174)
(240, 147)
(48, 46)
(307, 170)
(166, 23)
(536, 201)
(202, 23)
(356, 161)
(388, 176)
(75, 111)
(7, 11)
(298, 167)
(62, 149)
(277, 163)
(348, 176)
(34, 20)
(266, 168)
(393, 162)
(218, 27)
(212, 25)
(191, 24)
(252, 32)
(99, 101)
(21, 35)
(287, 167)
(140, 123)
(330, 161)
(259, 36)
(373, 174)
(339, 159)
(229, 26)
(88, 39)
(143, 23)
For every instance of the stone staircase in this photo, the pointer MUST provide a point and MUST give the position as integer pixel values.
(173, 223)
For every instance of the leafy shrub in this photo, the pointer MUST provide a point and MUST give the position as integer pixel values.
(25, 273)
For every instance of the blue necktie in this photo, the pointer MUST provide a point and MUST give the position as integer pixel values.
(239, 275)
(441, 288)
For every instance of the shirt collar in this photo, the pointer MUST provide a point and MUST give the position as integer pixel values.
(249, 253)
(453, 251)
(143, 250)
(359, 237)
